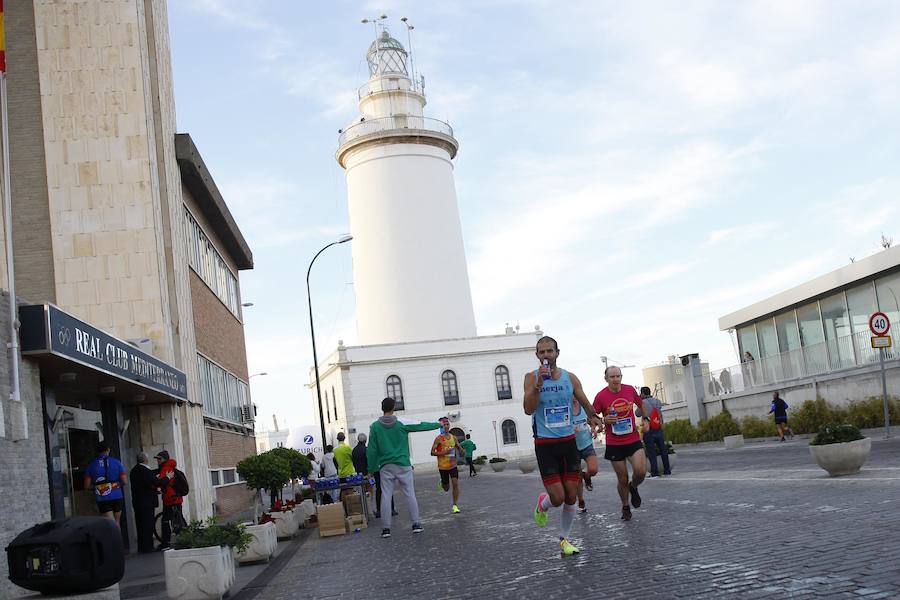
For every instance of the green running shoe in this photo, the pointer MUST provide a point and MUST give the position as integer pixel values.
(540, 516)
(455, 510)
(566, 548)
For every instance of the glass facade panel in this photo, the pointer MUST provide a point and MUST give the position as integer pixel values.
(888, 295)
(747, 339)
(223, 395)
(861, 300)
(837, 331)
(789, 344)
(210, 266)
(812, 338)
(768, 363)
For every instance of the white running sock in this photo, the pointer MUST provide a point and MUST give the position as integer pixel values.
(568, 516)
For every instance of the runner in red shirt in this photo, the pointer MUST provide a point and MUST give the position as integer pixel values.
(620, 406)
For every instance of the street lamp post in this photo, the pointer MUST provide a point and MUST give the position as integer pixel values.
(312, 330)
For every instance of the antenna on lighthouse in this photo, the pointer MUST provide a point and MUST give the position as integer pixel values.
(412, 64)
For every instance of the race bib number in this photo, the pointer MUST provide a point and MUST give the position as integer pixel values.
(623, 426)
(556, 416)
(582, 426)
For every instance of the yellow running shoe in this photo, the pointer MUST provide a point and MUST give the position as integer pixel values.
(567, 548)
(540, 516)
(455, 510)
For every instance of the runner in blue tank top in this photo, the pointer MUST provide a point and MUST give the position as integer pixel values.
(548, 399)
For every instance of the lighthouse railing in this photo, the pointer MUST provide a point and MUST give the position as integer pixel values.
(394, 123)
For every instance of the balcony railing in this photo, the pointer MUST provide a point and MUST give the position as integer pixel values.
(846, 352)
(397, 123)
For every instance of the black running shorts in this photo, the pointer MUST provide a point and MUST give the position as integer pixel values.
(446, 474)
(557, 460)
(616, 453)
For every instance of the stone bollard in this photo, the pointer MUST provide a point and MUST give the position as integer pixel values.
(734, 441)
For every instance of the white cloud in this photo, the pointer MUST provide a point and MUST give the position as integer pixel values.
(740, 234)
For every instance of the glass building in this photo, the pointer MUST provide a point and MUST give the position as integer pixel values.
(818, 327)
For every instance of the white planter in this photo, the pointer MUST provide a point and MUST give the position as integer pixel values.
(497, 466)
(734, 441)
(842, 459)
(263, 546)
(478, 467)
(305, 509)
(527, 466)
(286, 524)
(199, 573)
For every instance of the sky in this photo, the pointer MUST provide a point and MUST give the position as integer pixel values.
(668, 163)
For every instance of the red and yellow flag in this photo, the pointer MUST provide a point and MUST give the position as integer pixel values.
(2, 42)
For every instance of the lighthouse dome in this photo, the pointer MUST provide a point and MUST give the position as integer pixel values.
(386, 55)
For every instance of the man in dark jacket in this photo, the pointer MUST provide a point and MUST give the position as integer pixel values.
(144, 499)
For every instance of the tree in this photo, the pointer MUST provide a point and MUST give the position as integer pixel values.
(265, 471)
(300, 465)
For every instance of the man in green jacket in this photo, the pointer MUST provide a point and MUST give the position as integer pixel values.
(469, 446)
(388, 454)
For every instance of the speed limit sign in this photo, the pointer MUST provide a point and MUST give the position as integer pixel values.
(879, 323)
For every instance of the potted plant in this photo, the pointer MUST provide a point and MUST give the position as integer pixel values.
(498, 464)
(840, 449)
(271, 472)
(479, 463)
(262, 546)
(527, 464)
(201, 565)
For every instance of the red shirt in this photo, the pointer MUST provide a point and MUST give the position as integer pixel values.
(623, 402)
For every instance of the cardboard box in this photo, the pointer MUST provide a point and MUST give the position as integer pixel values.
(311, 522)
(355, 522)
(331, 519)
(353, 504)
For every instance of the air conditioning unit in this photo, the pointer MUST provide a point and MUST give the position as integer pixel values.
(247, 414)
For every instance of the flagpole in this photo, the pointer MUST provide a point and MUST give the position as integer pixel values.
(17, 415)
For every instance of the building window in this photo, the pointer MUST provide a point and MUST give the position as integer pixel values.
(228, 476)
(501, 377)
(334, 402)
(394, 389)
(215, 478)
(210, 266)
(510, 436)
(451, 391)
(222, 393)
(327, 406)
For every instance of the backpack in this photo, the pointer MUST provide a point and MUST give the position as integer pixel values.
(180, 483)
(655, 419)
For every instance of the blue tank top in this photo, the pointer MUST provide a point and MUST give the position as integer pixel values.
(553, 417)
(583, 435)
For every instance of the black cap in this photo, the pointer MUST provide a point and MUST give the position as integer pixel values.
(162, 455)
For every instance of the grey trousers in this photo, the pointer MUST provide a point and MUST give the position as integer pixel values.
(397, 477)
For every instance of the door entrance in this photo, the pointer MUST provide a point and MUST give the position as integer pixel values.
(81, 449)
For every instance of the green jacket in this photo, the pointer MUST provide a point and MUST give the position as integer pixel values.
(469, 446)
(389, 442)
(343, 454)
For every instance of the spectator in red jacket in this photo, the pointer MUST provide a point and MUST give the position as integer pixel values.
(172, 519)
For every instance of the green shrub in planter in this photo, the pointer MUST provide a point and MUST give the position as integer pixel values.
(480, 460)
(716, 428)
(680, 431)
(212, 532)
(869, 413)
(836, 434)
(669, 447)
(497, 459)
(757, 427)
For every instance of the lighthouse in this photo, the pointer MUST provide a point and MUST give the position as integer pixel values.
(409, 262)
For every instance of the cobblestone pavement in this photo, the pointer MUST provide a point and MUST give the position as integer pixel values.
(758, 522)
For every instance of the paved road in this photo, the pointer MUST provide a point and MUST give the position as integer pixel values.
(759, 522)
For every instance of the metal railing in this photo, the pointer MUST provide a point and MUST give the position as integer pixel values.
(395, 123)
(846, 352)
(388, 84)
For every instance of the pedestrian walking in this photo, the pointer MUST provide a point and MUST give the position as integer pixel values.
(548, 400)
(144, 500)
(172, 517)
(469, 446)
(388, 454)
(584, 441)
(106, 476)
(447, 450)
(620, 404)
(779, 409)
(654, 438)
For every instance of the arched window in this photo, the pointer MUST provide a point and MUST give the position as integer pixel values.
(334, 402)
(451, 391)
(501, 376)
(327, 406)
(394, 389)
(510, 436)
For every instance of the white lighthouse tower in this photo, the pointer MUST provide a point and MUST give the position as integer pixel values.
(409, 263)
